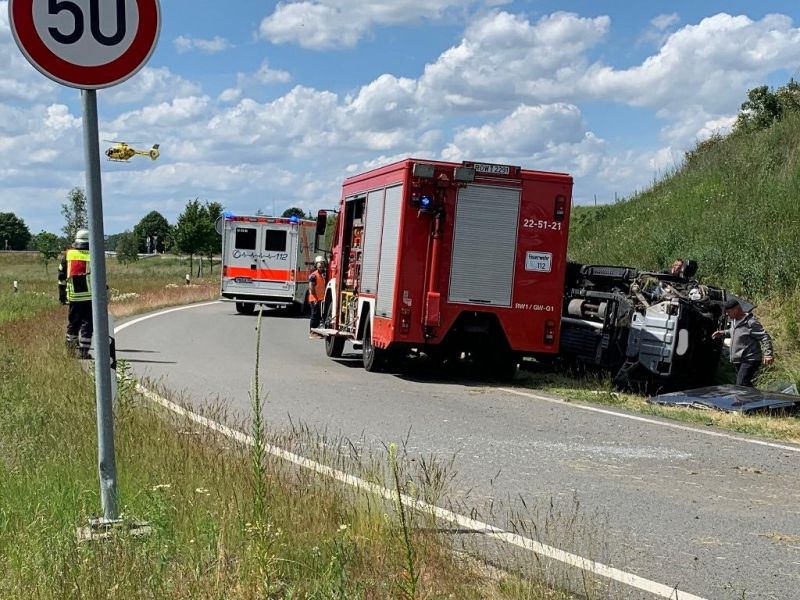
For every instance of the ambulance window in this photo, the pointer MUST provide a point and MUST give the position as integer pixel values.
(276, 240)
(245, 238)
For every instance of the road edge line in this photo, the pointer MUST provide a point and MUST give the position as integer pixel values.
(562, 556)
(605, 411)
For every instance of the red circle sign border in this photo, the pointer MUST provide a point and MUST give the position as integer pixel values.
(78, 76)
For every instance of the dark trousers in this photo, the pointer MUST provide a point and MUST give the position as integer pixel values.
(316, 316)
(79, 325)
(746, 372)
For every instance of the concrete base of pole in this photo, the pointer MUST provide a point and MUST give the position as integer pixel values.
(100, 529)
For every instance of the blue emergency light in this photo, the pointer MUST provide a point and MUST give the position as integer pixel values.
(425, 202)
(294, 219)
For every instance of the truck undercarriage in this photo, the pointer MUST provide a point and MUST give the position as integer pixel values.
(651, 330)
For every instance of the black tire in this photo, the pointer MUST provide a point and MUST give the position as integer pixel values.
(373, 358)
(334, 346)
(245, 308)
(498, 365)
(504, 366)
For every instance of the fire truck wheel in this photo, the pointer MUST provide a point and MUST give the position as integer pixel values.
(334, 346)
(245, 308)
(374, 358)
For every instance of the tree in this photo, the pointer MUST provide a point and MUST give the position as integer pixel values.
(152, 225)
(127, 248)
(74, 211)
(49, 246)
(765, 106)
(191, 230)
(212, 243)
(294, 212)
(14, 234)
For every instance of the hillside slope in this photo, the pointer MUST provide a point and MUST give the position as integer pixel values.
(734, 207)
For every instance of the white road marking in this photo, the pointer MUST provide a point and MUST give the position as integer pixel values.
(652, 587)
(127, 324)
(585, 564)
(650, 421)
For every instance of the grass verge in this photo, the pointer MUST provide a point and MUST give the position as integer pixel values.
(598, 389)
(215, 534)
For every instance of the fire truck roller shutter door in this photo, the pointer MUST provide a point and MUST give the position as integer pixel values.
(484, 245)
(393, 205)
(372, 242)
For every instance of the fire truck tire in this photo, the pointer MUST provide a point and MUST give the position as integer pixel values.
(374, 358)
(245, 308)
(505, 367)
(334, 346)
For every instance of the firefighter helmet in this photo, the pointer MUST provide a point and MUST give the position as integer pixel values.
(81, 239)
(320, 260)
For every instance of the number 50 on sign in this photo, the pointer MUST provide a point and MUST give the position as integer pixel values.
(87, 44)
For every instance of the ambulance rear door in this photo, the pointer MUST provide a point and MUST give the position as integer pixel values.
(258, 261)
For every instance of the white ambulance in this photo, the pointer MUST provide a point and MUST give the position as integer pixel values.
(266, 261)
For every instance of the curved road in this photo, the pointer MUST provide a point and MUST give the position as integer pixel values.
(715, 516)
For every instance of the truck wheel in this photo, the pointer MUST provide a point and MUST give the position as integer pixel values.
(245, 308)
(504, 366)
(334, 346)
(373, 357)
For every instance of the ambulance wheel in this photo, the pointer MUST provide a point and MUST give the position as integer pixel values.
(334, 346)
(374, 358)
(245, 308)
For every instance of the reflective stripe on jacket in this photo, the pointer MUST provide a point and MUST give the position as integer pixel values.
(77, 273)
(318, 280)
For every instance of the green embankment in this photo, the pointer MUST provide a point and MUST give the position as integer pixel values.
(733, 207)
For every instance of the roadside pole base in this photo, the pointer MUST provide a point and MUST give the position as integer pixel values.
(100, 528)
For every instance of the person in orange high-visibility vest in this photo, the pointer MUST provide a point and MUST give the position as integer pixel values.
(74, 289)
(316, 294)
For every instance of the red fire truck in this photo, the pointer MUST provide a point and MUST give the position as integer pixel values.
(449, 259)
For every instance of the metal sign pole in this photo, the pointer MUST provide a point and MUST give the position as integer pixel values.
(105, 415)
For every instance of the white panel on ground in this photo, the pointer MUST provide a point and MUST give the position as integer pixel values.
(484, 245)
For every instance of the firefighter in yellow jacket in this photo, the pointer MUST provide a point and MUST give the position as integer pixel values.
(74, 289)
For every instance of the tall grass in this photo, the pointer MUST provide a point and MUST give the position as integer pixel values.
(732, 207)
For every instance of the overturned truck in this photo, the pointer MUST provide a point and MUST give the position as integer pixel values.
(649, 329)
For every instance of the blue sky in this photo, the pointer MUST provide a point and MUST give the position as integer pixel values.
(257, 103)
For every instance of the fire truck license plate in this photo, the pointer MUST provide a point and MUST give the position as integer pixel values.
(492, 169)
(539, 261)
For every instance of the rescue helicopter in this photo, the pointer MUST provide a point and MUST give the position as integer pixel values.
(122, 152)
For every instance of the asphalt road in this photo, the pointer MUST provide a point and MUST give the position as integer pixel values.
(713, 515)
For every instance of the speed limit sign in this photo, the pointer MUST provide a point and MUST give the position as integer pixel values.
(86, 44)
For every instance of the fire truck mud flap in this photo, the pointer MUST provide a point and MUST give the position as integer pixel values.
(731, 398)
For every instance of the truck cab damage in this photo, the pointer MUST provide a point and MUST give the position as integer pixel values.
(649, 329)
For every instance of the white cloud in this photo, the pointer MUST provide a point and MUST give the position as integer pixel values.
(549, 137)
(19, 81)
(161, 117)
(324, 24)
(662, 22)
(710, 64)
(504, 59)
(267, 75)
(151, 84)
(230, 95)
(215, 45)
